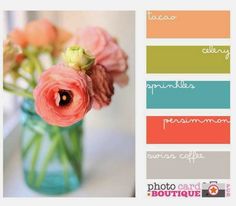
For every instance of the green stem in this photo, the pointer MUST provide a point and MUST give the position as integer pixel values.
(47, 159)
(33, 74)
(34, 59)
(75, 136)
(54, 61)
(52, 58)
(64, 162)
(37, 64)
(74, 142)
(30, 143)
(62, 155)
(39, 129)
(34, 159)
(76, 165)
(17, 90)
(29, 81)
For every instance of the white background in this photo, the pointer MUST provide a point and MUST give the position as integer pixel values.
(141, 6)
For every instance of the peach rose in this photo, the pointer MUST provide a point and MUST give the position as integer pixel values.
(63, 96)
(102, 86)
(62, 37)
(40, 32)
(105, 48)
(18, 37)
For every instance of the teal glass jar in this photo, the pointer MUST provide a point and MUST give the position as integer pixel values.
(51, 156)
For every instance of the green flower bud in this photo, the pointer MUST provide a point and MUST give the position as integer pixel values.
(78, 58)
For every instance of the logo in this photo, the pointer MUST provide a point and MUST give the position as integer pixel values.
(213, 189)
(188, 189)
(173, 190)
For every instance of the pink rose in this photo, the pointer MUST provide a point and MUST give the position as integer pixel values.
(102, 86)
(40, 32)
(63, 96)
(105, 48)
(18, 37)
(121, 78)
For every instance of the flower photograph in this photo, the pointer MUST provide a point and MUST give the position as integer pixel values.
(68, 108)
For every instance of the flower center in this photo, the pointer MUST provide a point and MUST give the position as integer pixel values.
(66, 97)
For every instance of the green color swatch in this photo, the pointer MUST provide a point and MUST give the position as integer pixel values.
(188, 59)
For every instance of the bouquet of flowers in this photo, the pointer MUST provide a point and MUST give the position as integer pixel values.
(83, 70)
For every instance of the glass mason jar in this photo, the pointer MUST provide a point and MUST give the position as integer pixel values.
(51, 155)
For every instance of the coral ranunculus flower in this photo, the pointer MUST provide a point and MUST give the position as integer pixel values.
(104, 47)
(63, 95)
(40, 32)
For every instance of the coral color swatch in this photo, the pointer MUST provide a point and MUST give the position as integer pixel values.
(188, 24)
(188, 129)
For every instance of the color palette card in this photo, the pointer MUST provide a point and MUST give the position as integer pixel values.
(188, 24)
